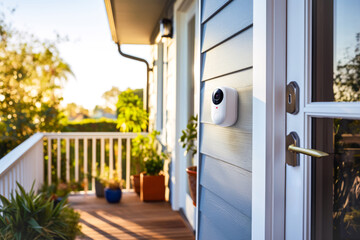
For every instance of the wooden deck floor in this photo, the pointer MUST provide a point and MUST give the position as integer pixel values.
(130, 219)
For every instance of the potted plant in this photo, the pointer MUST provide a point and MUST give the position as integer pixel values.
(138, 151)
(99, 181)
(112, 190)
(152, 182)
(188, 141)
(99, 187)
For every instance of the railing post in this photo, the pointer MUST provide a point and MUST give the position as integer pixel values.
(102, 154)
(111, 157)
(93, 165)
(39, 165)
(49, 161)
(119, 165)
(76, 159)
(67, 159)
(128, 164)
(59, 158)
(85, 165)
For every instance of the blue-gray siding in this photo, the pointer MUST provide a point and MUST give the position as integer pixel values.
(225, 152)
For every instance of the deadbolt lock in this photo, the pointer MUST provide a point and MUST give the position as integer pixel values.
(292, 98)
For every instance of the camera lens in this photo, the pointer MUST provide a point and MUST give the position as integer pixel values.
(217, 96)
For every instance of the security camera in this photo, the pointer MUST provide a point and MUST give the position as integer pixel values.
(224, 106)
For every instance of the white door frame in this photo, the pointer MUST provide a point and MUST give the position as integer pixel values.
(300, 12)
(268, 144)
(182, 10)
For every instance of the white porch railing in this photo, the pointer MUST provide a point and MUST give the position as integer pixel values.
(24, 164)
(65, 152)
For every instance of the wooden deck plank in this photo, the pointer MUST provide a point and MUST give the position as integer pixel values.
(130, 219)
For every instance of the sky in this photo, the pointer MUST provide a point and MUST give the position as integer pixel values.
(347, 19)
(90, 51)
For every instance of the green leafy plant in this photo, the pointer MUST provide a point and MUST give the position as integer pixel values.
(34, 216)
(112, 182)
(138, 152)
(154, 165)
(153, 158)
(72, 228)
(131, 115)
(189, 136)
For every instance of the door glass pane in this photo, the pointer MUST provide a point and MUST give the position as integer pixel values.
(336, 50)
(336, 179)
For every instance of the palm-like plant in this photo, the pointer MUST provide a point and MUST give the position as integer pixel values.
(33, 216)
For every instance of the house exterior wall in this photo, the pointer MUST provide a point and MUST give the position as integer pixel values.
(162, 94)
(177, 97)
(225, 161)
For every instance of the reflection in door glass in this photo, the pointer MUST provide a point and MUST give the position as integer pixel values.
(336, 50)
(336, 179)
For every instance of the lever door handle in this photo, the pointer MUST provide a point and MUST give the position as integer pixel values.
(293, 150)
(306, 151)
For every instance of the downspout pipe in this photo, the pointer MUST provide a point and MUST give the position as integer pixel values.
(148, 70)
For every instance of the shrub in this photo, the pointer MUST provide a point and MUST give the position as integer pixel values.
(33, 216)
(90, 125)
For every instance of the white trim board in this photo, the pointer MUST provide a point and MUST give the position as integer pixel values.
(183, 12)
(268, 151)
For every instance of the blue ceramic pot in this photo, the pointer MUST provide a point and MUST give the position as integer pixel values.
(113, 195)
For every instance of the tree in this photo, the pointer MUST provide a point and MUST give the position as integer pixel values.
(76, 112)
(131, 115)
(347, 77)
(31, 73)
(103, 112)
(111, 97)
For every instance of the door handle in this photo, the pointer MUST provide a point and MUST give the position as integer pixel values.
(306, 151)
(293, 150)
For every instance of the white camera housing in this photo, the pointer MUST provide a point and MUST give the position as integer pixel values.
(224, 106)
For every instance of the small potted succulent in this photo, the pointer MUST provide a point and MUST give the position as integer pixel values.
(152, 181)
(113, 191)
(188, 142)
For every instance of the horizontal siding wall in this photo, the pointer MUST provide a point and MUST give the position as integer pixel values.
(225, 160)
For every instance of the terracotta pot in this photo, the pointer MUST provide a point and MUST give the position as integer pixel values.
(152, 188)
(192, 177)
(135, 181)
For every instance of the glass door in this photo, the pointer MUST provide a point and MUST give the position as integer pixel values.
(323, 59)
